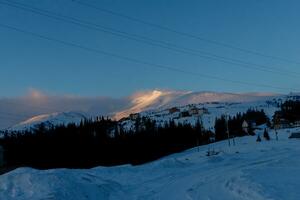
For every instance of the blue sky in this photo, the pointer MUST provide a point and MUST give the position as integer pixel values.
(268, 26)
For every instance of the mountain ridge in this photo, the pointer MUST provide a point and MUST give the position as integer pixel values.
(167, 99)
(52, 119)
(141, 102)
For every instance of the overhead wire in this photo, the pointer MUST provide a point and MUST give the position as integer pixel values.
(137, 61)
(153, 42)
(185, 34)
(159, 66)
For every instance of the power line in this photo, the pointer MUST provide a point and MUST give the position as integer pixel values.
(152, 42)
(185, 34)
(137, 61)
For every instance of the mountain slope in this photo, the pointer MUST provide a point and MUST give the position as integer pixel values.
(209, 107)
(154, 103)
(148, 100)
(154, 100)
(49, 120)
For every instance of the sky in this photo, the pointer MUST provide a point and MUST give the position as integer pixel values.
(14, 110)
(271, 27)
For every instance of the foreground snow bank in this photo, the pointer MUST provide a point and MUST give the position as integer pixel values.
(249, 170)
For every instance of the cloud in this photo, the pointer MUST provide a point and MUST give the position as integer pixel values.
(35, 102)
(36, 94)
(17, 109)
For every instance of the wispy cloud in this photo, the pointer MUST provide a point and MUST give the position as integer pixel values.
(35, 102)
(16, 109)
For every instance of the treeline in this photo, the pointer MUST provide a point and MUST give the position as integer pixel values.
(290, 111)
(105, 142)
(99, 142)
(234, 124)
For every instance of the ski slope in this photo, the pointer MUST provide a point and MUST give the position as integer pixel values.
(248, 171)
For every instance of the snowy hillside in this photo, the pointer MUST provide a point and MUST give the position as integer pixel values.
(49, 120)
(156, 104)
(248, 171)
(206, 112)
(153, 100)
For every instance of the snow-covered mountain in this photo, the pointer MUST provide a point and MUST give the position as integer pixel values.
(156, 104)
(48, 120)
(188, 107)
(249, 171)
(159, 99)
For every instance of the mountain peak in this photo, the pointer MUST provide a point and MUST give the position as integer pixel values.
(145, 101)
(157, 99)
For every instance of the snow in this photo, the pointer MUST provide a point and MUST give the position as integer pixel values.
(158, 99)
(215, 110)
(248, 170)
(155, 104)
(52, 119)
(140, 101)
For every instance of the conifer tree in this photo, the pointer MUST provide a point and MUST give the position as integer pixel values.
(220, 129)
(266, 135)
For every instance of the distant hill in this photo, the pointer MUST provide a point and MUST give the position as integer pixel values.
(49, 120)
(156, 104)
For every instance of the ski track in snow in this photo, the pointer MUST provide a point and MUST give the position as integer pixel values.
(248, 171)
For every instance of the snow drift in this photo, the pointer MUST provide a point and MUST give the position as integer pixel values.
(248, 171)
